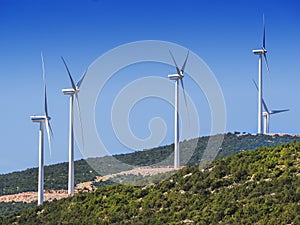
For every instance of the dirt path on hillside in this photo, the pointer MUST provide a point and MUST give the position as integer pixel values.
(33, 196)
(50, 195)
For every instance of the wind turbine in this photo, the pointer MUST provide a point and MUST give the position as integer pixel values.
(71, 92)
(177, 76)
(267, 113)
(42, 120)
(261, 52)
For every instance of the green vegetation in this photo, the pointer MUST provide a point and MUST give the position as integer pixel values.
(251, 187)
(7, 208)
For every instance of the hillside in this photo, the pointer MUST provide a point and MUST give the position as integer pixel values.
(56, 176)
(251, 187)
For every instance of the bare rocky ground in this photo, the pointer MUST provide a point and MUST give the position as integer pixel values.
(33, 196)
(50, 195)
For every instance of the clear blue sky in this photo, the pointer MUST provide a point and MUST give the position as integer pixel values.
(222, 33)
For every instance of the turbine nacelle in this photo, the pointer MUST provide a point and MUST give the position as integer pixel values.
(70, 91)
(259, 51)
(265, 114)
(39, 119)
(175, 76)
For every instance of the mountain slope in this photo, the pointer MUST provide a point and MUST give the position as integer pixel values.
(260, 186)
(56, 176)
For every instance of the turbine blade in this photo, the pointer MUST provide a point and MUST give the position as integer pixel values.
(184, 95)
(185, 101)
(43, 66)
(279, 111)
(46, 104)
(70, 76)
(266, 61)
(265, 106)
(81, 79)
(45, 88)
(263, 102)
(49, 134)
(255, 84)
(177, 69)
(184, 64)
(264, 34)
(80, 119)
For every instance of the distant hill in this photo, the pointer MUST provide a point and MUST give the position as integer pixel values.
(56, 176)
(251, 187)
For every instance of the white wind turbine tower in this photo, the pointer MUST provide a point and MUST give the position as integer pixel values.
(71, 92)
(177, 76)
(267, 113)
(261, 52)
(42, 120)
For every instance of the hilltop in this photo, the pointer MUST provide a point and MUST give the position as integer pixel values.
(259, 186)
